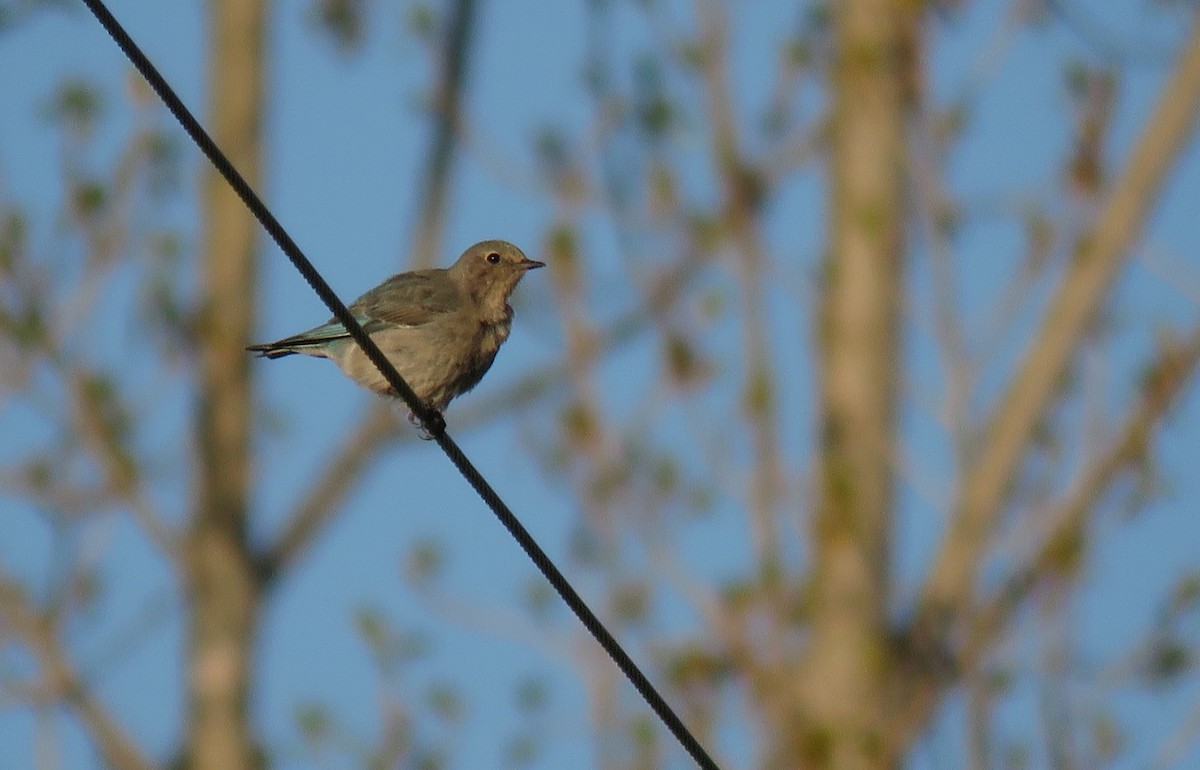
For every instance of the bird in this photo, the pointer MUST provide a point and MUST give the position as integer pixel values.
(441, 328)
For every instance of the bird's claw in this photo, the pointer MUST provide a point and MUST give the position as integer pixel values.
(436, 422)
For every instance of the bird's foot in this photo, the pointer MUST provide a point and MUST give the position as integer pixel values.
(435, 417)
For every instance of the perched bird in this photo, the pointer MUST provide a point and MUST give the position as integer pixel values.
(441, 328)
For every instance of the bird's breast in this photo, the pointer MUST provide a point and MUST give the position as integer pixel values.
(493, 335)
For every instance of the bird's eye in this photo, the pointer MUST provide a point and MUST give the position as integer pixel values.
(492, 257)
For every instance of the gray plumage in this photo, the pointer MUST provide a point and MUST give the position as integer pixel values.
(441, 328)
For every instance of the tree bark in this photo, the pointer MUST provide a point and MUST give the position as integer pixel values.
(843, 676)
(222, 587)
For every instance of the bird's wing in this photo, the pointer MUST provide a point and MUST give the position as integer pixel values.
(408, 299)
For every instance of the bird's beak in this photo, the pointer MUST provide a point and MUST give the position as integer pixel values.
(531, 264)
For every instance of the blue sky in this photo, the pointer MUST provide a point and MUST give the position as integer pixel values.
(344, 147)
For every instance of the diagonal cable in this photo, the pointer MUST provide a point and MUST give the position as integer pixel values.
(430, 419)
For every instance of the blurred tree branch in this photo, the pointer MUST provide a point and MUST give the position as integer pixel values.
(743, 191)
(1064, 528)
(60, 682)
(222, 590)
(447, 117)
(844, 675)
(1099, 255)
(804, 636)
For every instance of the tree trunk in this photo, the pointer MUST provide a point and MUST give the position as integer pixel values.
(843, 678)
(223, 591)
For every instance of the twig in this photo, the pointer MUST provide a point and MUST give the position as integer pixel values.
(1100, 254)
(1184, 737)
(452, 75)
(1067, 520)
(933, 208)
(739, 203)
(120, 479)
(62, 682)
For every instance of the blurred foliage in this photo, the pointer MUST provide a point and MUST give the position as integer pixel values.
(634, 166)
(342, 20)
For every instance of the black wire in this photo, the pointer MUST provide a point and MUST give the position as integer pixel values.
(431, 419)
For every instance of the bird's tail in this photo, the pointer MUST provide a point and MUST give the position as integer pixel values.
(312, 342)
(286, 347)
(272, 349)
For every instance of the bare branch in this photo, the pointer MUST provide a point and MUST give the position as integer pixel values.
(980, 707)
(62, 682)
(376, 429)
(120, 475)
(1183, 738)
(1065, 523)
(563, 647)
(1100, 255)
(934, 212)
(1080, 21)
(742, 195)
(447, 117)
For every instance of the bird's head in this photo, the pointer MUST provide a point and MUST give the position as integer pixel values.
(490, 270)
